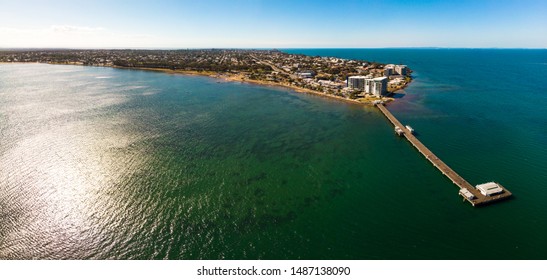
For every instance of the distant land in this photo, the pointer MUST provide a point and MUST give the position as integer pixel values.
(356, 81)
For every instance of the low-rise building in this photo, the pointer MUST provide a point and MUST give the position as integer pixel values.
(467, 194)
(489, 189)
(330, 84)
(306, 74)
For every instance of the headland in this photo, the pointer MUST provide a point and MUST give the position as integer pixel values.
(355, 81)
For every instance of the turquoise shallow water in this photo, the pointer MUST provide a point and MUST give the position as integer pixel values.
(114, 164)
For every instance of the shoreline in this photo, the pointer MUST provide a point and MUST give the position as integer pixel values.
(239, 78)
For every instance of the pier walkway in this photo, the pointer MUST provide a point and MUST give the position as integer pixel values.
(479, 199)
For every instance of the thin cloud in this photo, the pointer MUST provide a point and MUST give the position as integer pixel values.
(75, 29)
(73, 36)
(10, 30)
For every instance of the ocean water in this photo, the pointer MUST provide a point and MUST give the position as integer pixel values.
(101, 163)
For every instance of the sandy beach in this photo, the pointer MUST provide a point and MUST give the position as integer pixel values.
(240, 78)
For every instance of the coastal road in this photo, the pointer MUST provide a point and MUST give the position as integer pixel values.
(275, 68)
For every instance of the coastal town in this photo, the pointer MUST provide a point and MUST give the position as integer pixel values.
(355, 80)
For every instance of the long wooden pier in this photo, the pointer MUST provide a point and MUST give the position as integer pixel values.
(479, 198)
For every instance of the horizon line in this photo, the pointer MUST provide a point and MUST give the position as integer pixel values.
(259, 48)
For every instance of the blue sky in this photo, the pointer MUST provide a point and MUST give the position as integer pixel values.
(273, 24)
